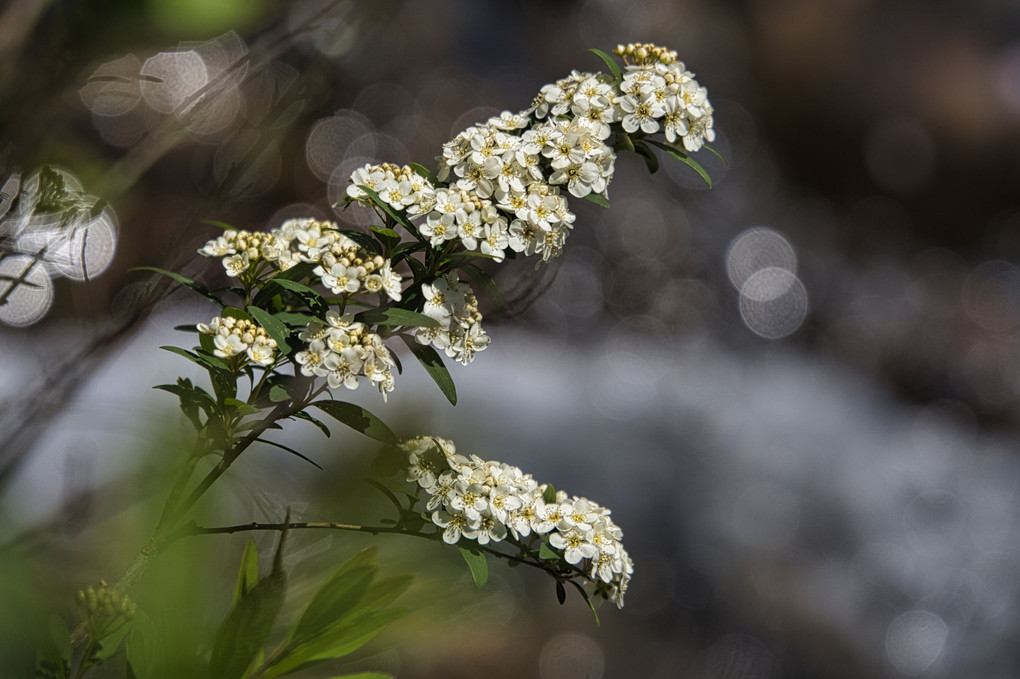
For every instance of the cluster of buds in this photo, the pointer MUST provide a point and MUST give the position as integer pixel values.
(240, 337)
(343, 351)
(241, 249)
(645, 53)
(347, 268)
(454, 305)
(104, 609)
(486, 501)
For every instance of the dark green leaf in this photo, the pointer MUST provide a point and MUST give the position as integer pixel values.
(248, 576)
(241, 408)
(188, 327)
(405, 249)
(222, 225)
(185, 281)
(388, 237)
(214, 363)
(598, 199)
(549, 494)
(423, 171)
(291, 451)
(610, 62)
(274, 327)
(338, 597)
(561, 592)
(295, 318)
(460, 258)
(316, 304)
(358, 419)
(302, 415)
(587, 600)
(417, 269)
(364, 240)
(298, 272)
(398, 216)
(643, 150)
(715, 153)
(433, 365)
(475, 560)
(623, 141)
(234, 312)
(546, 552)
(683, 158)
(247, 627)
(396, 316)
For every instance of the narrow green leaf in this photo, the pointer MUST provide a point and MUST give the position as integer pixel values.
(209, 362)
(561, 592)
(433, 365)
(291, 451)
(338, 597)
(685, 159)
(185, 281)
(651, 161)
(396, 316)
(549, 494)
(587, 600)
(460, 258)
(478, 565)
(358, 419)
(397, 216)
(598, 199)
(247, 627)
(188, 327)
(297, 272)
(610, 62)
(302, 415)
(248, 576)
(295, 318)
(195, 395)
(316, 304)
(241, 407)
(222, 225)
(423, 171)
(623, 141)
(718, 155)
(274, 327)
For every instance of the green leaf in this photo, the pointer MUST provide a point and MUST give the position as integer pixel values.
(610, 62)
(587, 600)
(247, 627)
(423, 171)
(398, 217)
(234, 312)
(598, 199)
(388, 237)
(549, 494)
(222, 225)
(279, 394)
(316, 304)
(248, 576)
(433, 365)
(685, 159)
(297, 272)
(479, 566)
(214, 363)
(358, 419)
(396, 316)
(291, 451)
(185, 281)
(546, 552)
(648, 154)
(486, 284)
(460, 258)
(623, 141)
(295, 318)
(241, 407)
(715, 153)
(561, 592)
(145, 648)
(274, 327)
(302, 415)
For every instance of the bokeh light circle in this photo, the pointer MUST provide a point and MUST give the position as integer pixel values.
(571, 656)
(914, 640)
(26, 291)
(773, 303)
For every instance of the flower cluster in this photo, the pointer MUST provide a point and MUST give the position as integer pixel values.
(455, 306)
(240, 250)
(399, 186)
(342, 350)
(487, 501)
(104, 609)
(240, 337)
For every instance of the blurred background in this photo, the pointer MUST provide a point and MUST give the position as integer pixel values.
(796, 390)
